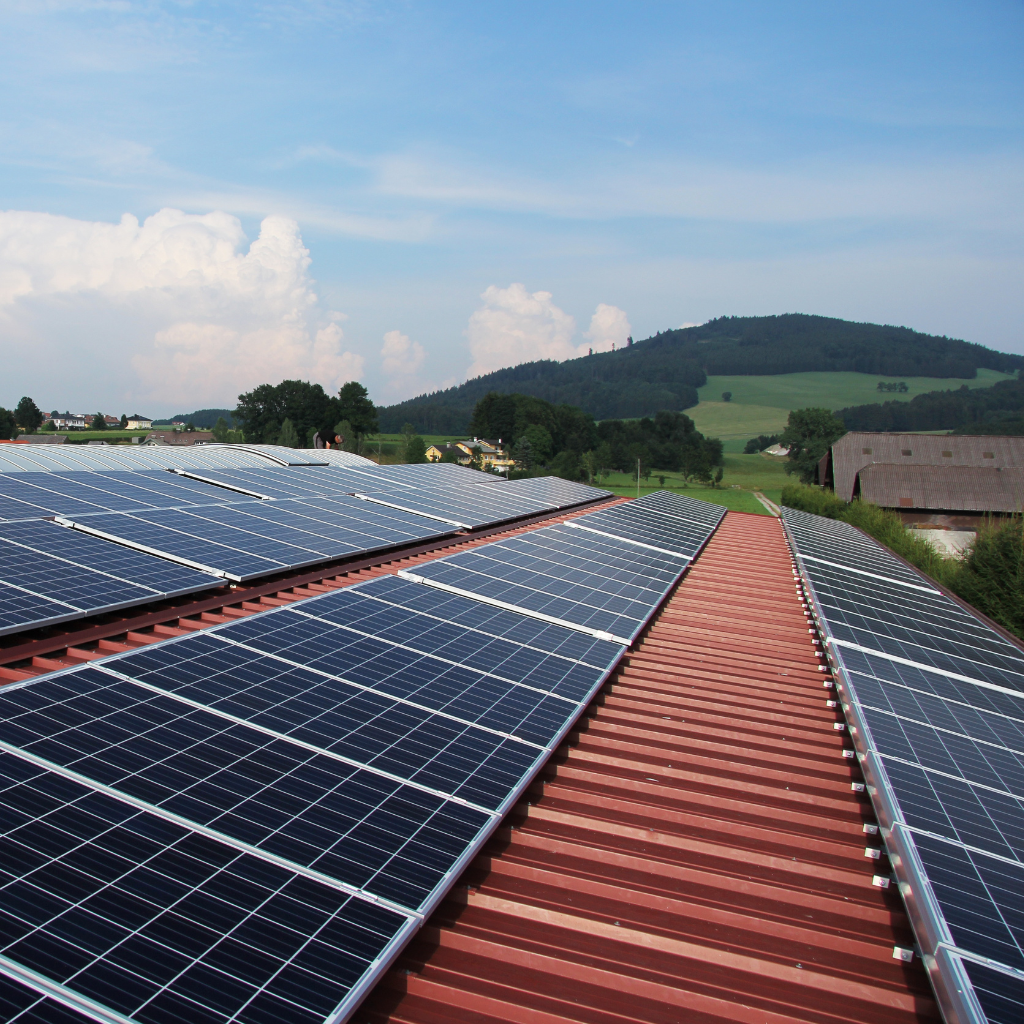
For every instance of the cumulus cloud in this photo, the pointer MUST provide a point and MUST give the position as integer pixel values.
(401, 356)
(609, 328)
(514, 326)
(219, 319)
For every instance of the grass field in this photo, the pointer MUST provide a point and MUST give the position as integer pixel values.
(760, 405)
(743, 475)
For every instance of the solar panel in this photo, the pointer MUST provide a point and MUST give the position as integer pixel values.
(660, 520)
(935, 701)
(110, 904)
(251, 539)
(50, 575)
(529, 574)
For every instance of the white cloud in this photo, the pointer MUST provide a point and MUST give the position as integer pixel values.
(219, 320)
(609, 328)
(514, 326)
(401, 356)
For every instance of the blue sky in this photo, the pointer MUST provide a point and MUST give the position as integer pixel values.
(410, 192)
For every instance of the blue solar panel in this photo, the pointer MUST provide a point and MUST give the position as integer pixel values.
(935, 701)
(251, 539)
(160, 922)
(999, 993)
(543, 573)
(50, 574)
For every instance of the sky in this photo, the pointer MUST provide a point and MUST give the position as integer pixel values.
(200, 197)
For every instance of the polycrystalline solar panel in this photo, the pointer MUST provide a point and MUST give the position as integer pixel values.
(549, 660)
(999, 993)
(586, 603)
(50, 574)
(494, 622)
(21, 1004)
(241, 542)
(186, 548)
(982, 897)
(661, 520)
(281, 482)
(158, 921)
(937, 716)
(391, 839)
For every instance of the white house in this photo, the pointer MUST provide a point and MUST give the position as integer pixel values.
(68, 421)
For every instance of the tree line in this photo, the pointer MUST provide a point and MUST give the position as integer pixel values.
(565, 441)
(962, 409)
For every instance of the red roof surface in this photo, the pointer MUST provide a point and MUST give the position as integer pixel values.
(695, 854)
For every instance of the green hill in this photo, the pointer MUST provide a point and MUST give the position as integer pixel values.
(672, 369)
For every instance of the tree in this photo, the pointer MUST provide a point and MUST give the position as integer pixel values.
(719, 473)
(48, 427)
(345, 430)
(355, 406)
(221, 430)
(522, 454)
(540, 441)
(415, 449)
(8, 425)
(289, 436)
(28, 415)
(808, 435)
(124, 421)
(99, 422)
(726, 396)
(263, 410)
(588, 461)
(759, 443)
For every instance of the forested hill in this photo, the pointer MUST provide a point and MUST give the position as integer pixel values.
(665, 371)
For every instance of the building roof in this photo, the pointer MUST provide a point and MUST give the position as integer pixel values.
(855, 450)
(952, 488)
(695, 852)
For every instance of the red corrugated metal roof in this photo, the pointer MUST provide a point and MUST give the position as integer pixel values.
(696, 852)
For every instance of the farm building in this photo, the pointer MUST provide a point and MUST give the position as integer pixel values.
(928, 472)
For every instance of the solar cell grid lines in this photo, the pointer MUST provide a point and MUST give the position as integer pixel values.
(494, 622)
(244, 541)
(49, 574)
(156, 921)
(393, 840)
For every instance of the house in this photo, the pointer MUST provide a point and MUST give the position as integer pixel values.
(489, 452)
(112, 422)
(137, 422)
(928, 473)
(180, 438)
(68, 421)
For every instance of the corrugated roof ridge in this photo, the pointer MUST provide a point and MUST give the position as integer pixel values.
(630, 890)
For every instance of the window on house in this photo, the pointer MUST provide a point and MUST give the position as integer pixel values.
(907, 451)
(947, 455)
(866, 451)
(988, 455)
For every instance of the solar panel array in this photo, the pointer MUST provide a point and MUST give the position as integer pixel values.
(51, 575)
(247, 823)
(255, 510)
(598, 572)
(51, 458)
(935, 701)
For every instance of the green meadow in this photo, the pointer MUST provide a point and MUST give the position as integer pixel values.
(760, 405)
